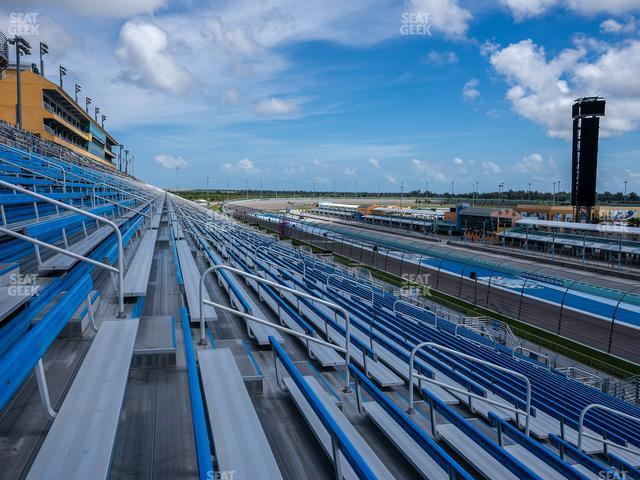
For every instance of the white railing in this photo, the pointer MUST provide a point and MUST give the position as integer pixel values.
(280, 287)
(605, 442)
(119, 270)
(435, 346)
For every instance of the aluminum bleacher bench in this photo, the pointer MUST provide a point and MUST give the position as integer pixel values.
(137, 276)
(191, 279)
(323, 436)
(240, 442)
(60, 261)
(155, 222)
(80, 442)
(415, 455)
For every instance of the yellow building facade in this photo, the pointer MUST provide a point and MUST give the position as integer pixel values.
(52, 114)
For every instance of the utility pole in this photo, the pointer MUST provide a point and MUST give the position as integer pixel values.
(207, 191)
(401, 194)
(529, 192)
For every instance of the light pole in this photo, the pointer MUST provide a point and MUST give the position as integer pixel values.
(22, 48)
(44, 49)
(96, 111)
(529, 192)
(126, 165)
(625, 191)
(452, 182)
(401, 194)
(120, 157)
(558, 191)
(77, 89)
(87, 102)
(207, 191)
(102, 118)
(63, 72)
(554, 193)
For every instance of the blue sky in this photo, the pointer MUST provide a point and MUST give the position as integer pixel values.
(333, 91)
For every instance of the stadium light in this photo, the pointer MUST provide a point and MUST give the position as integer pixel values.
(63, 72)
(103, 118)
(96, 111)
(120, 157)
(77, 89)
(87, 102)
(22, 48)
(44, 49)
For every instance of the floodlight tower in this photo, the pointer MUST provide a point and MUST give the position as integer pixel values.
(586, 113)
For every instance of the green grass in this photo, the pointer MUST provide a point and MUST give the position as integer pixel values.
(577, 351)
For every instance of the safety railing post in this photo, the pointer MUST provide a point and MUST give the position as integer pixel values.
(471, 358)
(97, 218)
(346, 350)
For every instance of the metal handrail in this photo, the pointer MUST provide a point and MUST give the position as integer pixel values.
(599, 406)
(118, 204)
(119, 270)
(34, 172)
(145, 200)
(419, 320)
(474, 329)
(353, 282)
(436, 346)
(258, 279)
(522, 349)
(290, 257)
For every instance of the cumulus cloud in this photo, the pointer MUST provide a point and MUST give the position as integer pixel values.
(491, 168)
(374, 163)
(469, 90)
(272, 107)
(430, 170)
(243, 166)
(521, 9)
(146, 58)
(391, 179)
(530, 164)
(542, 90)
(627, 26)
(445, 16)
(169, 161)
(441, 58)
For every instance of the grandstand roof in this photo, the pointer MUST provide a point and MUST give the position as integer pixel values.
(586, 227)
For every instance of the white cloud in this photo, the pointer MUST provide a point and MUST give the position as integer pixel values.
(374, 163)
(169, 161)
(628, 26)
(491, 168)
(391, 179)
(530, 164)
(434, 172)
(441, 58)
(243, 166)
(445, 16)
(522, 9)
(469, 90)
(273, 107)
(543, 90)
(350, 172)
(147, 61)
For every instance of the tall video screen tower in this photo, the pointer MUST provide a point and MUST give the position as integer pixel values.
(586, 113)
